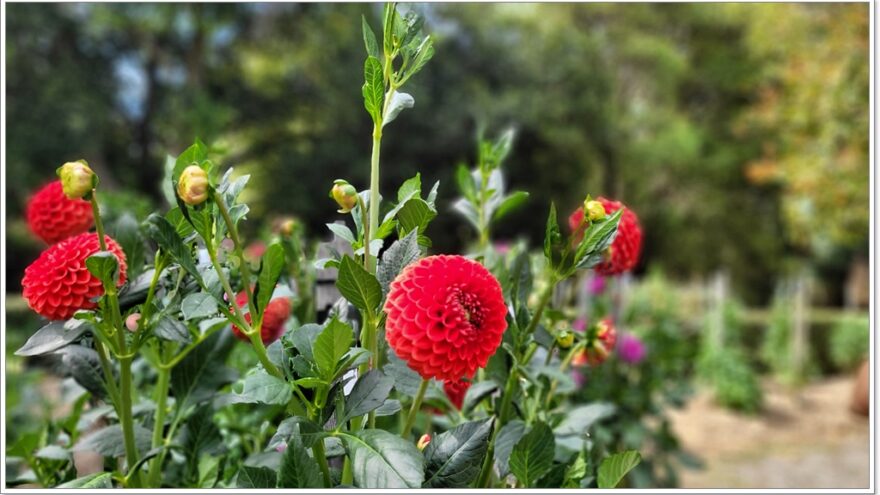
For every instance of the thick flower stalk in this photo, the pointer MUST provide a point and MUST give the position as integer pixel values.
(53, 217)
(446, 316)
(58, 283)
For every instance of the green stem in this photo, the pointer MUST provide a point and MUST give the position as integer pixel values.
(542, 304)
(320, 455)
(99, 225)
(366, 223)
(108, 374)
(414, 409)
(374, 193)
(244, 269)
(160, 397)
(483, 481)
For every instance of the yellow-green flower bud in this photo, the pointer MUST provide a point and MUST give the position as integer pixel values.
(345, 194)
(192, 186)
(594, 210)
(77, 179)
(565, 339)
(286, 226)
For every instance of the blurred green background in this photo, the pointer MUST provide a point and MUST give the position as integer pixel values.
(738, 132)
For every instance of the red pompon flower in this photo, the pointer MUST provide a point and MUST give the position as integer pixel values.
(53, 217)
(446, 315)
(58, 284)
(277, 312)
(599, 347)
(456, 390)
(627, 246)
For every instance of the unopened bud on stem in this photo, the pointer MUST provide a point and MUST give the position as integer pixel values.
(192, 186)
(345, 194)
(77, 179)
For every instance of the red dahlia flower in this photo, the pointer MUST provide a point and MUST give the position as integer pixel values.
(446, 315)
(52, 217)
(456, 390)
(58, 284)
(627, 246)
(598, 349)
(277, 312)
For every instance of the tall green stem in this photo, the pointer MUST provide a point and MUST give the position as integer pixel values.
(244, 269)
(374, 193)
(99, 225)
(160, 397)
(414, 409)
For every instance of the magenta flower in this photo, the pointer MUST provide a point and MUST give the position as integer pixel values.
(579, 325)
(596, 285)
(631, 349)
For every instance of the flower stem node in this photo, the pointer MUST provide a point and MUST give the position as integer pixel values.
(595, 210)
(77, 179)
(192, 186)
(345, 194)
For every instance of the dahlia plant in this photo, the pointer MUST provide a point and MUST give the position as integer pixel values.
(430, 371)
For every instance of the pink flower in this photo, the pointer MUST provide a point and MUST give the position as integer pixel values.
(579, 325)
(631, 349)
(596, 285)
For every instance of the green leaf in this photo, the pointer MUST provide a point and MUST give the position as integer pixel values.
(369, 39)
(342, 232)
(454, 458)
(552, 235)
(415, 214)
(126, 232)
(374, 88)
(256, 477)
(303, 339)
(510, 203)
(614, 468)
(298, 470)
(596, 239)
(368, 393)
(170, 328)
(397, 257)
(468, 211)
(84, 365)
(532, 455)
(195, 154)
(575, 472)
(423, 54)
(466, 184)
(578, 420)
(411, 187)
(298, 426)
(95, 480)
(198, 305)
(271, 266)
(109, 441)
(331, 345)
(53, 336)
(359, 286)
(168, 239)
(104, 265)
(406, 381)
(198, 376)
(383, 460)
(508, 436)
(476, 393)
(263, 388)
(399, 102)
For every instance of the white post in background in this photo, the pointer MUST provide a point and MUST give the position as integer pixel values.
(719, 296)
(800, 328)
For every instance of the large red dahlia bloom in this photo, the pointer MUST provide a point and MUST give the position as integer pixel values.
(58, 284)
(277, 312)
(446, 315)
(627, 246)
(52, 217)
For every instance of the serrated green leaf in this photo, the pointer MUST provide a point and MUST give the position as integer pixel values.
(532, 456)
(330, 346)
(370, 43)
(104, 265)
(368, 393)
(552, 235)
(95, 480)
(410, 188)
(263, 388)
(397, 257)
(374, 88)
(298, 470)
(383, 460)
(170, 328)
(359, 286)
(415, 214)
(508, 436)
(271, 266)
(168, 239)
(453, 458)
(342, 232)
(198, 305)
(614, 468)
(198, 376)
(256, 477)
(109, 441)
(466, 184)
(597, 238)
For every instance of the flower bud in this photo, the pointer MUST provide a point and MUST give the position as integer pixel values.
(131, 322)
(345, 194)
(564, 339)
(424, 441)
(77, 179)
(594, 210)
(286, 226)
(192, 186)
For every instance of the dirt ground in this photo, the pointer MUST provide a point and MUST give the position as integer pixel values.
(806, 439)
